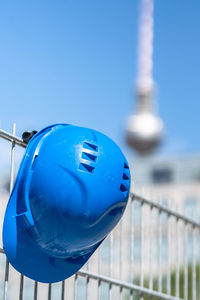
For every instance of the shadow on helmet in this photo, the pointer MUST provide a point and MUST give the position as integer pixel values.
(70, 192)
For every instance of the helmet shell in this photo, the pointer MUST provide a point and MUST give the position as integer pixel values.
(71, 191)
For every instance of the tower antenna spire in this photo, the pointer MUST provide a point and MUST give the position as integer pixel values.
(145, 128)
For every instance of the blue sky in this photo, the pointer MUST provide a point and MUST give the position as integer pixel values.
(75, 62)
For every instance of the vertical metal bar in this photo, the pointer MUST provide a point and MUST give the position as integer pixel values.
(177, 259)
(193, 265)
(6, 280)
(12, 166)
(120, 291)
(87, 266)
(160, 252)
(49, 291)
(199, 264)
(131, 295)
(110, 291)
(168, 255)
(185, 263)
(35, 290)
(132, 243)
(99, 290)
(111, 263)
(75, 285)
(63, 290)
(142, 248)
(120, 251)
(21, 287)
(86, 291)
(151, 249)
(99, 260)
(99, 271)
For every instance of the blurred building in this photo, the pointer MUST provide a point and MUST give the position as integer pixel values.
(155, 171)
(174, 182)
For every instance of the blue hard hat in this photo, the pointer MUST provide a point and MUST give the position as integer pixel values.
(71, 190)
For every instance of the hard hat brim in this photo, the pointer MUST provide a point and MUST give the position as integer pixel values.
(26, 257)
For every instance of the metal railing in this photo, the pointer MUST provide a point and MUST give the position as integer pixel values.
(152, 254)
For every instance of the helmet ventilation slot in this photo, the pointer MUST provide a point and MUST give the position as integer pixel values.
(89, 156)
(126, 166)
(90, 146)
(126, 179)
(86, 168)
(123, 188)
(125, 176)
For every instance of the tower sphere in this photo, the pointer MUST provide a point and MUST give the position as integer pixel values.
(144, 132)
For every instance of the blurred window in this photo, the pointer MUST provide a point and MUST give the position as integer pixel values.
(164, 175)
(189, 248)
(164, 248)
(137, 248)
(105, 251)
(191, 207)
(137, 213)
(164, 202)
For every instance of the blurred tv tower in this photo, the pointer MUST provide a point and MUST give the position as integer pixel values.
(145, 129)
